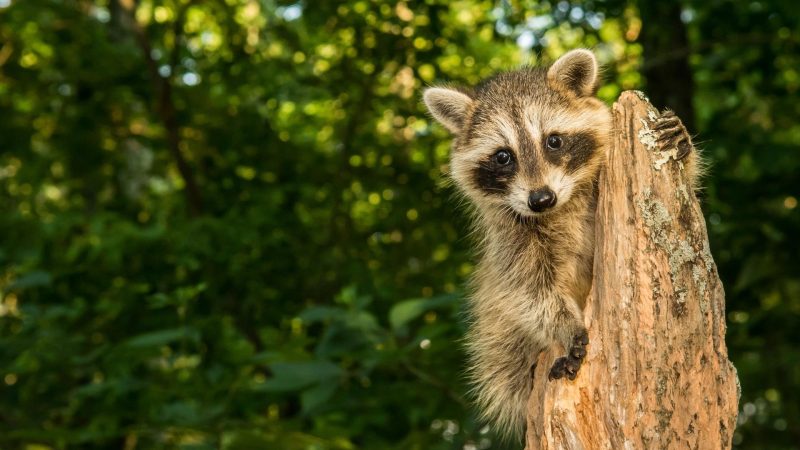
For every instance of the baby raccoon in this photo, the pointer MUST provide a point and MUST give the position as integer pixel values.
(528, 146)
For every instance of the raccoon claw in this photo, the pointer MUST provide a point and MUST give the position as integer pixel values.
(568, 366)
(684, 148)
(581, 339)
(559, 369)
(672, 134)
(577, 352)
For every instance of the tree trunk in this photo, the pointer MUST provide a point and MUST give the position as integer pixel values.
(657, 373)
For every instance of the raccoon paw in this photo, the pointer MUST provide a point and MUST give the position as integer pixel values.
(672, 134)
(568, 366)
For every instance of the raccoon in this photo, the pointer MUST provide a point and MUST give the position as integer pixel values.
(527, 149)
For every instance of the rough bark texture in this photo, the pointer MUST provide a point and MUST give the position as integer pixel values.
(657, 373)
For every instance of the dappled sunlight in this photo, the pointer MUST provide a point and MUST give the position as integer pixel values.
(230, 224)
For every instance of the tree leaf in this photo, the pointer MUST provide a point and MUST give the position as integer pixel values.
(162, 337)
(31, 279)
(292, 376)
(315, 396)
(404, 312)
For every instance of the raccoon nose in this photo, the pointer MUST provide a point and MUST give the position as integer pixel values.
(541, 199)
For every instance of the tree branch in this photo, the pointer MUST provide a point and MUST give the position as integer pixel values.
(165, 106)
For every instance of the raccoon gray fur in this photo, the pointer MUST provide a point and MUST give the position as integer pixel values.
(527, 150)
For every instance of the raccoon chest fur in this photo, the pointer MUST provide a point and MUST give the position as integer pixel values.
(526, 266)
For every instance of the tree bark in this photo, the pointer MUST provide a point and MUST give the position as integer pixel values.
(657, 373)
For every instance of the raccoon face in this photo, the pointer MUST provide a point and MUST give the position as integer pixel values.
(527, 141)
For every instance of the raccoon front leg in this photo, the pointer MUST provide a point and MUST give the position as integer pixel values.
(573, 336)
(501, 360)
(671, 133)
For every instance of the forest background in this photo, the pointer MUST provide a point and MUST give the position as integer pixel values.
(226, 224)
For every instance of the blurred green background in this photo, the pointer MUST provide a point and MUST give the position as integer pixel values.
(225, 223)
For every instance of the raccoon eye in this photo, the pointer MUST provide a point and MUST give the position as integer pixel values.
(502, 157)
(554, 142)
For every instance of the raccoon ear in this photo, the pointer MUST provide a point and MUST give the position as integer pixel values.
(448, 106)
(577, 71)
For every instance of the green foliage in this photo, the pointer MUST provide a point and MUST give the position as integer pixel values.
(746, 100)
(308, 296)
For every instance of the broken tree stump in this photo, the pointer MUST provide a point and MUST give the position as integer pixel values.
(657, 373)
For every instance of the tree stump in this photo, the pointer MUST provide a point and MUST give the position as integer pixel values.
(657, 373)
